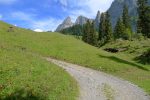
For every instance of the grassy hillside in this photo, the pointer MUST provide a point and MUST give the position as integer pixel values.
(72, 50)
(25, 76)
(133, 49)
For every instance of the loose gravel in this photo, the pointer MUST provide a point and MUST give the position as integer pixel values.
(91, 84)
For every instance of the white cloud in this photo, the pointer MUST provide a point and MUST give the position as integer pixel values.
(64, 2)
(46, 24)
(7, 2)
(38, 30)
(90, 7)
(73, 8)
(1, 16)
(22, 15)
(87, 8)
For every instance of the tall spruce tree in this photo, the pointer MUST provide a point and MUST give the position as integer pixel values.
(108, 27)
(92, 35)
(102, 28)
(126, 18)
(127, 23)
(84, 36)
(144, 18)
(119, 29)
(89, 33)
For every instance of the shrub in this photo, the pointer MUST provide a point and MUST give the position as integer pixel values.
(144, 58)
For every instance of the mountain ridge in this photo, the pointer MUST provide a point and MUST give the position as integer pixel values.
(115, 11)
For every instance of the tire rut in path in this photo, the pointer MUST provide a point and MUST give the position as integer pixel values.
(92, 82)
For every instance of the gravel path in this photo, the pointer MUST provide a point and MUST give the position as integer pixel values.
(95, 85)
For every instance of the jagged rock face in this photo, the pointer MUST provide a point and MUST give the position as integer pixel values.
(116, 10)
(97, 20)
(81, 20)
(66, 24)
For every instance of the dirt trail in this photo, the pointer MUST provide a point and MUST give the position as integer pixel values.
(95, 85)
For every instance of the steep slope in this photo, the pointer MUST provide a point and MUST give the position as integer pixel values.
(66, 24)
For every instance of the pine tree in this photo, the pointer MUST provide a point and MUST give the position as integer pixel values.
(126, 18)
(88, 30)
(119, 29)
(127, 23)
(102, 28)
(89, 33)
(92, 35)
(144, 18)
(108, 27)
(84, 37)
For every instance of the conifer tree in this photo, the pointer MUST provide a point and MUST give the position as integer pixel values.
(84, 37)
(108, 27)
(127, 23)
(92, 35)
(88, 30)
(144, 18)
(102, 28)
(126, 18)
(89, 33)
(119, 29)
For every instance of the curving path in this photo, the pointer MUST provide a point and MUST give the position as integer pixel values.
(95, 85)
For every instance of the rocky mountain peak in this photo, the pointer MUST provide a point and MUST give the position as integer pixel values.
(97, 20)
(66, 24)
(67, 21)
(81, 20)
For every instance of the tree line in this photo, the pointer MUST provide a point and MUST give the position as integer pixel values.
(123, 28)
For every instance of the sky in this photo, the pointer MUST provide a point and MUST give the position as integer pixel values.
(46, 15)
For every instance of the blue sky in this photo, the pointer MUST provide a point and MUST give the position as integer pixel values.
(48, 14)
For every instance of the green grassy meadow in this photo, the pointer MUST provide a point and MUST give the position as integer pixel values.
(24, 75)
(67, 48)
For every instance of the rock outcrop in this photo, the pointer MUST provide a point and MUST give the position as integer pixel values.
(81, 20)
(116, 10)
(66, 24)
(97, 20)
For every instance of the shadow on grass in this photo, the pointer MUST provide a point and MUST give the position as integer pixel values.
(123, 61)
(23, 95)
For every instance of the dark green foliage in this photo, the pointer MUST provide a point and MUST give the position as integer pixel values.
(127, 23)
(102, 28)
(74, 30)
(89, 33)
(24, 95)
(119, 31)
(86, 28)
(109, 33)
(126, 18)
(123, 27)
(105, 29)
(144, 18)
(144, 58)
